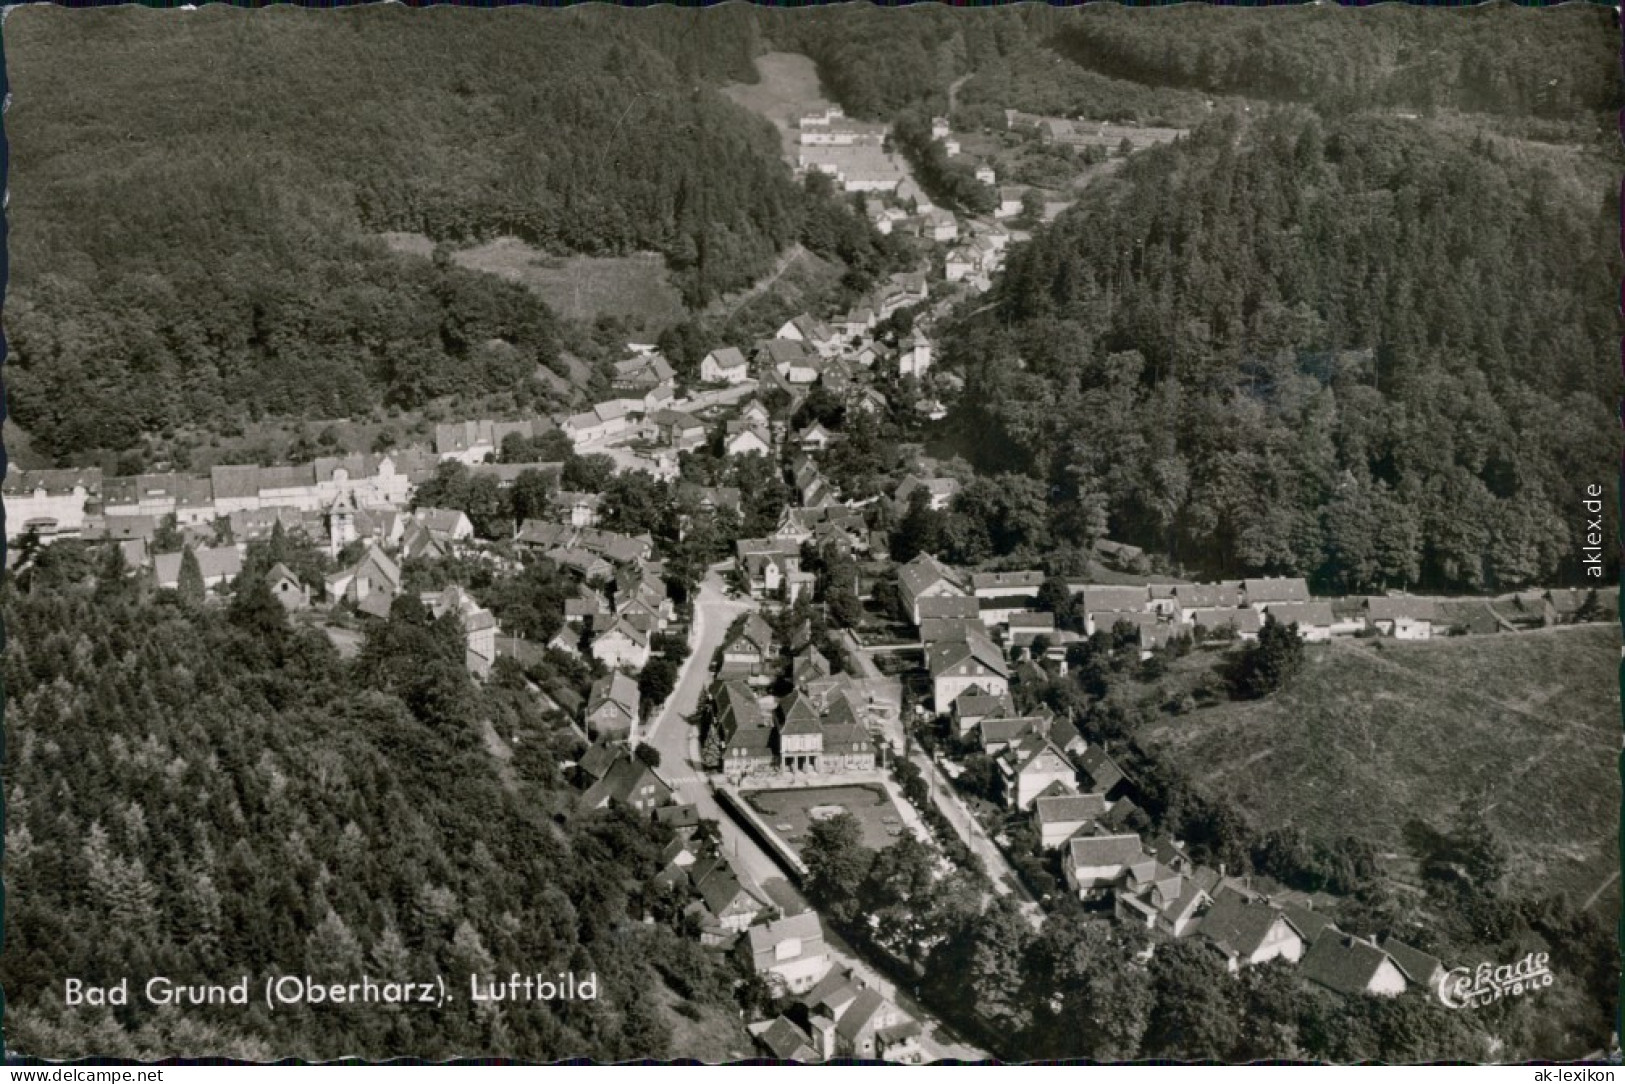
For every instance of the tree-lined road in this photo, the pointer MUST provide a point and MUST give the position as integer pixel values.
(678, 743)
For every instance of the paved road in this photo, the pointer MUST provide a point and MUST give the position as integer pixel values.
(976, 838)
(678, 743)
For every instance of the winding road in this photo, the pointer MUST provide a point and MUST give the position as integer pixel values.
(678, 743)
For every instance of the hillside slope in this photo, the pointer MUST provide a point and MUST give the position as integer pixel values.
(1375, 734)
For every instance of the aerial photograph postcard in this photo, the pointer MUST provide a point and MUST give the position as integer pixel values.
(821, 535)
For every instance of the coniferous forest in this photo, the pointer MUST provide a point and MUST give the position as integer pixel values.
(1362, 349)
(202, 792)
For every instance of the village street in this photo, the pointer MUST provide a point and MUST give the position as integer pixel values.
(678, 744)
(966, 826)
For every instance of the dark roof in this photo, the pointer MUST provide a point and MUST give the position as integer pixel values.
(783, 1040)
(1239, 925)
(1120, 850)
(1310, 923)
(1306, 614)
(1100, 768)
(1097, 599)
(947, 654)
(857, 1016)
(1073, 807)
(1417, 965)
(963, 607)
(1345, 964)
(1276, 590)
(1390, 609)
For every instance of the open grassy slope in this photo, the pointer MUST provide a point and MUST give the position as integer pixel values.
(1376, 733)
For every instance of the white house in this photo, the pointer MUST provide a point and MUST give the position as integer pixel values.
(1250, 931)
(724, 365)
(913, 356)
(791, 953)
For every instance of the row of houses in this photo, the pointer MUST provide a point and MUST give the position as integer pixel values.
(250, 499)
(1158, 887)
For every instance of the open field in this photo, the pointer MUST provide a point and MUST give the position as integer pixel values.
(1377, 733)
(788, 89)
(791, 813)
(635, 288)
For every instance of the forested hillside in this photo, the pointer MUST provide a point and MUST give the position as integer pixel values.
(1364, 349)
(203, 793)
(1490, 59)
(193, 228)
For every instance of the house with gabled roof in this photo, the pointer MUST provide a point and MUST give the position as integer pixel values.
(1061, 817)
(767, 562)
(1094, 864)
(926, 577)
(287, 588)
(1100, 770)
(641, 372)
(814, 438)
(1191, 599)
(479, 626)
(1103, 606)
(629, 782)
(1244, 623)
(941, 491)
(973, 706)
(1020, 585)
(370, 584)
(747, 438)
(1419, 968)
(1261, 594)
(219, 565)
(817, 335)
(998, 733)
(791, 360)
(847, 1018)
(612, 707)
(1314, 619)
(783, 1040)
(1164, 900)
(956, 666)
(948, 607)
(681, 430)
(589, 565)
(445, 524)
(790, 953)
(730, 902)
(1249, 930)
(622, 644)
(750, 650)
(1401, 616)
(936, 629)
(1028, 625)
(724, 365)
(1032, 766)
(1353, 966)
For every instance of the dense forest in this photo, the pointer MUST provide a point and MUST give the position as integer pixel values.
(203, 250)
(204, 791)
(1359, 349)
(1110, 62)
